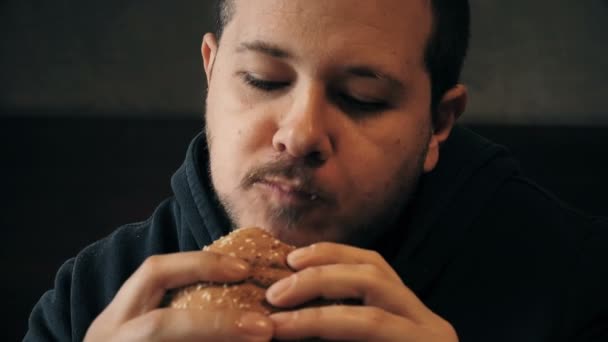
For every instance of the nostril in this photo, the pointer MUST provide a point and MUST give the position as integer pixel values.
(315, 159)
(280, 147)
(316, 155)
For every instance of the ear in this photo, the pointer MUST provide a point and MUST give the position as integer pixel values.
(452, 105)
(209, 52)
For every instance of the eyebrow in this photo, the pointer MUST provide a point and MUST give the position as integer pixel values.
(368, 72)
(276, 51)
(265, 48)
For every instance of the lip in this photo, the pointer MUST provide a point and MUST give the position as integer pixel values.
(290, 192)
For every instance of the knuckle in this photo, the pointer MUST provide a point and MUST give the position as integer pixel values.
(374, 272)
(447, 330)
(208, 263)
(206, 259)
(215, 264)
(373, 320)
(150, 326)
(345, 311)
(376, 317)
(100, 329)
(150, 266)
(151, 262)
(317, 313)
(312, 272)
(375, 256)
(212, 259)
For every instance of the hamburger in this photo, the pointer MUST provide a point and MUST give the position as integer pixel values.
(268, 259)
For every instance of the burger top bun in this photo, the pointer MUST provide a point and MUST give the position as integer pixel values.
(268, 259)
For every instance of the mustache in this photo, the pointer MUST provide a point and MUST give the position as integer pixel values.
(290, 170)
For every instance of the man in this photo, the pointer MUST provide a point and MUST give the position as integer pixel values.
(331, 125)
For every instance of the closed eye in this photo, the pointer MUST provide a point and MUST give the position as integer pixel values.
(352, 104)
(263, 85)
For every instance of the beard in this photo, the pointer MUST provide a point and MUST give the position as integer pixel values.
(322, 218)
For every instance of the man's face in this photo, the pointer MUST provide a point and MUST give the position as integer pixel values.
(318, 114)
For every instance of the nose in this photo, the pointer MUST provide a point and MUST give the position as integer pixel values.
(303, 132)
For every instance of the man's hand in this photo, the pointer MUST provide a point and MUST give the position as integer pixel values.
(134, 314)
(390, 311)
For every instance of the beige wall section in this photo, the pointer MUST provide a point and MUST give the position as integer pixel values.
(543, 61)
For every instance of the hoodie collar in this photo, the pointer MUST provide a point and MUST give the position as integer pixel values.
(201, 217)
(469, 172)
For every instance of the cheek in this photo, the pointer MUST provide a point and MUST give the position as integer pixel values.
(376, 156)
(241, 130)
(237, 138)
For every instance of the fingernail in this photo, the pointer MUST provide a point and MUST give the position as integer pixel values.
(297, 255)
(280, 287)
(237, 267)
(255, 324)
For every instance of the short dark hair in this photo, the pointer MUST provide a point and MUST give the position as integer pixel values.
(445, 51)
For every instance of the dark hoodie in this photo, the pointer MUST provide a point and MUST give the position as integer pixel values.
(482, 246)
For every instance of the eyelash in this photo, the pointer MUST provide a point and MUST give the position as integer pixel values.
(345, 101)
(263, 84)
(350, 103)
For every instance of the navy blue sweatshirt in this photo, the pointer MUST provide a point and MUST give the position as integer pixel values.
(481, 245)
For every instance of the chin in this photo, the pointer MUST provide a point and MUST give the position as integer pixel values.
(293, 237)
(298, 235)
(296, 226)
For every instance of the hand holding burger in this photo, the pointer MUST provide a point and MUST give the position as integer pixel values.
(214, 294)
(267, 258)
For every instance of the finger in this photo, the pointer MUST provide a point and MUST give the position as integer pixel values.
(325, 253)
(344, 323)
(197, 325)
(363, 282)
(144, 290)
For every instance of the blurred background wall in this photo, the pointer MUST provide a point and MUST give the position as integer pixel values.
(99, 99)
(541, 62)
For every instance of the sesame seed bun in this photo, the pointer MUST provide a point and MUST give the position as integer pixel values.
(268, 259)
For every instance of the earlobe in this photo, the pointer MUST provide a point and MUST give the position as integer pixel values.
(432, 156)
(454, 102)
(452, 105)
(209, 52)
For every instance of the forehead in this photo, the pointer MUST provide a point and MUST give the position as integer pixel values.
(385, 30)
